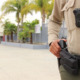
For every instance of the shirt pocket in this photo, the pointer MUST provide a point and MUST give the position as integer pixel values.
(68, 14)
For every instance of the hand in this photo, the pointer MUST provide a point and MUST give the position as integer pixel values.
(55, 48)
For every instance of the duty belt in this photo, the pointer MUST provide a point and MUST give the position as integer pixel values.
(70, 62)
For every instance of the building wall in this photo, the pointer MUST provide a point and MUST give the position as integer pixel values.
(43, 36)
(1, 30)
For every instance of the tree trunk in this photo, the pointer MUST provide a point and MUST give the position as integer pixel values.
(23, 40)
(12, 36)
(18, 29)
(31, 39)
(7, 38)
(22, 21)
(43, 16)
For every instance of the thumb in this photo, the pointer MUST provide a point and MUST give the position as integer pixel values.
(64, 40)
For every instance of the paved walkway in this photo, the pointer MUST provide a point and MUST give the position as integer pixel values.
(27, 64)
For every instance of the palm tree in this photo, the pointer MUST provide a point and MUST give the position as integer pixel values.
(16, 6)
(12, 6)
(25, 10)
(6, 30)
(12, 29)
(1, 17)
(50, 8)
(28, 29)
(9, 29)
(44, 6)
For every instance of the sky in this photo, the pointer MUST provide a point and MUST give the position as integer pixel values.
(29, 17)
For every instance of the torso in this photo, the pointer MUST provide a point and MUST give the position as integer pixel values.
(73, 36)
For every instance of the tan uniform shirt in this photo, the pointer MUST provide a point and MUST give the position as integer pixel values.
(63, 10)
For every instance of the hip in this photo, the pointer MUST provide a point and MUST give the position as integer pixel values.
(67, 76)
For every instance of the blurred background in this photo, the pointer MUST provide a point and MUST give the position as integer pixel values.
(26, 21)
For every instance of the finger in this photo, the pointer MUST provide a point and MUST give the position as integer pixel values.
(53, 52)
(54, 47)
(57, 45)
(64, 40)
(56, 54)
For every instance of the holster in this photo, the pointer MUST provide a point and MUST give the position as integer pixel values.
(68, 61)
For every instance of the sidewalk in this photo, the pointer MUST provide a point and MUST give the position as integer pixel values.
(27, 64)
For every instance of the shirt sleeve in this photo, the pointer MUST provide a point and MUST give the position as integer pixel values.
(55, 21)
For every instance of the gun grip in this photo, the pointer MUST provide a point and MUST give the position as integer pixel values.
(62, 44)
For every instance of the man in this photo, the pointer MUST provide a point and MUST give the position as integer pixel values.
(63, 10)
